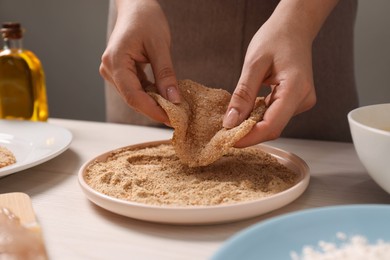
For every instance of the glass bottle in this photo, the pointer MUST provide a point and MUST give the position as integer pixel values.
(22, 80)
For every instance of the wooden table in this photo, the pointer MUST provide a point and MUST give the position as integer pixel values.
(74, 228)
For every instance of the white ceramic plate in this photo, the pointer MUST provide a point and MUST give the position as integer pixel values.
(277, 237)
(32, 143)
(202, 214)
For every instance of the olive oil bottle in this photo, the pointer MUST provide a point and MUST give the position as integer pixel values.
(22, 80)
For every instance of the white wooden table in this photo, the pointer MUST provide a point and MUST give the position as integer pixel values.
(74, 228)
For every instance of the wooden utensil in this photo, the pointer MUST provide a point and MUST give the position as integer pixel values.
(20, 205)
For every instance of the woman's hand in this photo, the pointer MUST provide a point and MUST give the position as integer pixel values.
(141, 36)
(279, 56)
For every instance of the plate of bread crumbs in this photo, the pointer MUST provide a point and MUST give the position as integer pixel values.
(197, 177)
(350, 232)
(24, 144)
(149, 182)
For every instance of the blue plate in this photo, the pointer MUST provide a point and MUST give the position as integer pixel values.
(278, 237)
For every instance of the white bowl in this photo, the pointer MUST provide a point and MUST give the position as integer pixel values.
(370, 129)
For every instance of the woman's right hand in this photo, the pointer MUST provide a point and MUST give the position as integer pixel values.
(141, 36)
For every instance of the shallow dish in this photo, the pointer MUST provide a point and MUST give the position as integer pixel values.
(32, 143)
(278, 237)
(201, 214)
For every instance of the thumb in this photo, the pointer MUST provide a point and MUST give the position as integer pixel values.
(243, 98)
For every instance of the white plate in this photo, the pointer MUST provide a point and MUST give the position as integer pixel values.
(32, 143)
(202, 214)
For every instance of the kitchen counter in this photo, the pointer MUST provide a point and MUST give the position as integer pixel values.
(75, 228)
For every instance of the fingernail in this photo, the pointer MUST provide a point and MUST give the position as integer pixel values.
(231, 119)
(173, 95)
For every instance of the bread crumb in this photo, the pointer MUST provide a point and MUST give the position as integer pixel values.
(154, 175)
(6, 157)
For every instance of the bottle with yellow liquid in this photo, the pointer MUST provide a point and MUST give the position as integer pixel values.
(22, 80)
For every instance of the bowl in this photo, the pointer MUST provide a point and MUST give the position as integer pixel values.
(370, 129)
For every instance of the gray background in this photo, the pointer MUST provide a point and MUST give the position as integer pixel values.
(69, 38)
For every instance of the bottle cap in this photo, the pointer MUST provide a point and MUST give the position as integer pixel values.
(11, 30)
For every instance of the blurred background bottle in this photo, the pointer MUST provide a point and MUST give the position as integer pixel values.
(22, 80)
